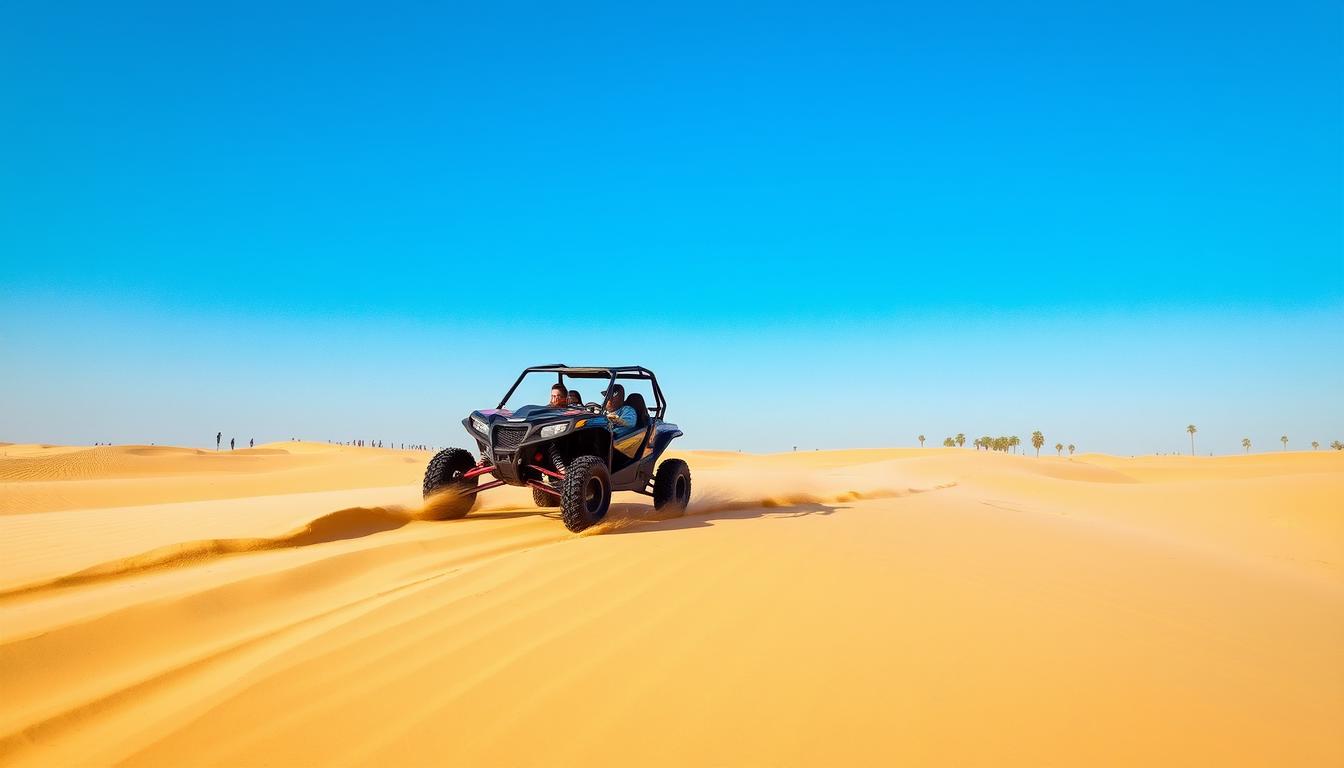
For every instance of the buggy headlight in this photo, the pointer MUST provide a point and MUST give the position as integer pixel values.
(480, 426)
(551, 430)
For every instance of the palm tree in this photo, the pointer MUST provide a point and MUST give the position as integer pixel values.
(1070, 449)
(921, 441)
(1191, 429)
(1014, 441)
(1315, 445)
(1338, 446)
(1284, 440)
(1059, 448)
(1246, 444)
(961, 440)
(1037, 440)
(988, 442)
(949, 442)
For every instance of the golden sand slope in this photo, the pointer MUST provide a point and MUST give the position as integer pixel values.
(43, 478)
(856, 607)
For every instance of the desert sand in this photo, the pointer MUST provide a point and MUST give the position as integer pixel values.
(289, 605)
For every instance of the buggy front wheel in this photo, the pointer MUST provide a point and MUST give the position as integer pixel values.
(447, 493)
(585, 493)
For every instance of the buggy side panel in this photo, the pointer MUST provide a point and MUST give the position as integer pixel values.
(637, 474)
(663, 435)
(629, 444)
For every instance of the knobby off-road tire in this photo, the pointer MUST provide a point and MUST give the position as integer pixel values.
(585, 493)
(445, 485)
(672, 486)
(544, 499)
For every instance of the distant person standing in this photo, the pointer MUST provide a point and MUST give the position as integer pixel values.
(218, 435)
(250, 442)
(230, 443)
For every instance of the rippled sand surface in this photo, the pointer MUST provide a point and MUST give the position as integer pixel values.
(297, 604)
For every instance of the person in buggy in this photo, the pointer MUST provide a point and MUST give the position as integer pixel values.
(559, 397)
(621, 415)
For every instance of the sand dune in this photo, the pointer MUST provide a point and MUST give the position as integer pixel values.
(292, 605)
(39, 478)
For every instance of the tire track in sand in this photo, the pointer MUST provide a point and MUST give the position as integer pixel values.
(348, 523)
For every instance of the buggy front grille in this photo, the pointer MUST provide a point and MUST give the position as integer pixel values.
(508, 438)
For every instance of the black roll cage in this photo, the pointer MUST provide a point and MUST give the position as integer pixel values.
(611, 373)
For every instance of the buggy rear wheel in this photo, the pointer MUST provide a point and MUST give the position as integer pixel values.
(585, 493)
(672, 486)
(545, 499)
(447, 494)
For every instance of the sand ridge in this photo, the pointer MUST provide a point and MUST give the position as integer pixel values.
(333, 526)
(40, 478)
(856, 607)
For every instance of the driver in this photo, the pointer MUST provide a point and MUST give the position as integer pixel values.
(622, 416)
(559, 397)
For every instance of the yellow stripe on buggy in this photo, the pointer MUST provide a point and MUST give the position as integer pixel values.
(630, 443)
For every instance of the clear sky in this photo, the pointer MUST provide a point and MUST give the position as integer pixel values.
(822, 225)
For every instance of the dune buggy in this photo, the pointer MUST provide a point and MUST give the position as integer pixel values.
(572, 457)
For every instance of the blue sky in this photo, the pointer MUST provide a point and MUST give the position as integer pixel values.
(359, 222)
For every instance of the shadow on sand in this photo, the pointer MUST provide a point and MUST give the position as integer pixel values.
(643, 518)
(510, 513)
(358, 522)
(640, 518)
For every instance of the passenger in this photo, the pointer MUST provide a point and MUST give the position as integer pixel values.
(559, 397)
(575, 399)
(620, 414)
